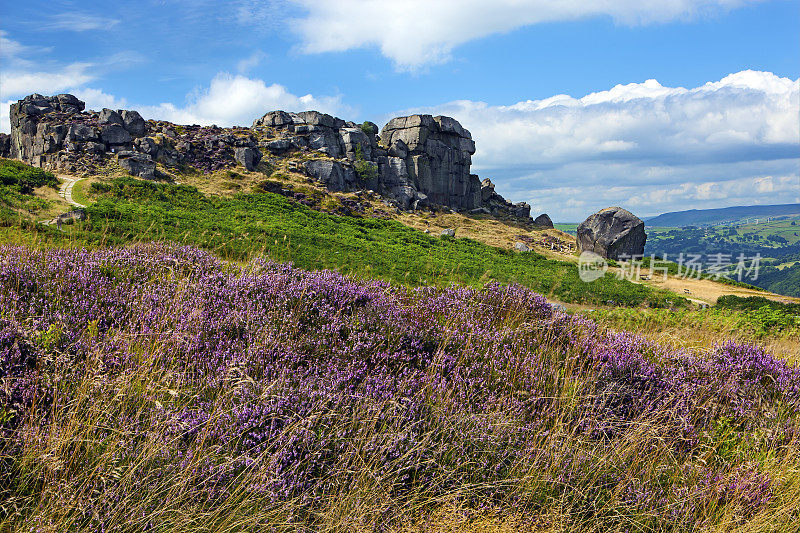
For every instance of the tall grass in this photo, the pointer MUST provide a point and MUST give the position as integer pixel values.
(158, 388)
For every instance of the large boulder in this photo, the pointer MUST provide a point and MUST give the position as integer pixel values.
(543, 220)
(247, 157)
(82, 133)
(115, 134)
(274, 119)
(133, 123)
(613, 233)
(109, 116)
(332, 174)
(137, 164)
(37, 126)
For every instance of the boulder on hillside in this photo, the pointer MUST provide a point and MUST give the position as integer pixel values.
(543, 220)
(613, 233)
(332, 174)
(247, 157)
(133, 123)
(115, 134)
(137, 164)
(109, 116)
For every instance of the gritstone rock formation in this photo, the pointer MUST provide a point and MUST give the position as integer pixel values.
(612, 233)
(416, 161)
(543, 220)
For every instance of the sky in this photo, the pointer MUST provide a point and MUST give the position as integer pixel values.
(575, 105)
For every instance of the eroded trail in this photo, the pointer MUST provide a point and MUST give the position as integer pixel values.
(68, 182)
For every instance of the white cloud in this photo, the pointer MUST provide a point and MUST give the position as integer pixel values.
(414, 33)
(229, 100)
(21, 83)
(250, 62)
(77, 21)
(655, 144)
(237, 100)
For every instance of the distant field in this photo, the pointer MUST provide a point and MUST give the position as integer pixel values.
(570, 227)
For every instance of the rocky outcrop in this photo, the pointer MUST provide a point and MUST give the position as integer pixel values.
(414, 162)
(437, 152)
(5, 145)
(613, 233)
(544, 221)
(57, 134)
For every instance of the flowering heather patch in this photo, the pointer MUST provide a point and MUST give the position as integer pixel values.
(159, 387)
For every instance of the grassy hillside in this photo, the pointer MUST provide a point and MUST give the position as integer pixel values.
(18, 182)
(248, 225)
(156, 388)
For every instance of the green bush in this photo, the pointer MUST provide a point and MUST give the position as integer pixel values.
(366, 170)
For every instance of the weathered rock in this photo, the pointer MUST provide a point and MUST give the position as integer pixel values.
(421, 161)
(115, 134)
(278, 146)
(315, 118)
(438, 158)
(327, 142)
(448, 232)
(356, 144)
(521, 211)
(133, 123)
(487, 190)
(5, 145)
(94, 148)
(274, 119)
(109, 116)
(521, 247)
(333, 174)
(137, 164)
(613, 233)
(543, 220)
(146, 145)
(71, 216)
(247, 157)
(82, 133)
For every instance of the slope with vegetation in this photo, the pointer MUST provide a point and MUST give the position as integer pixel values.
(159, 388)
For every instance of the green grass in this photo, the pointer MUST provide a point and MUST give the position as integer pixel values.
(79, 193)
(247, 225)
(567, 228)
(17, 184)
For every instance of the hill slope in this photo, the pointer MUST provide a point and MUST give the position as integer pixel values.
(694, 217)
(158, 388)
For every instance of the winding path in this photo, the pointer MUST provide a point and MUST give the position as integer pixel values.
(66, 189)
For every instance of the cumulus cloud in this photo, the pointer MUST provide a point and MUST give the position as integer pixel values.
(229, 100)
(655, 144)
(237, 100)
(418, 32)
(20, 83)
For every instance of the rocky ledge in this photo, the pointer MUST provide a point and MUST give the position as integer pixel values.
(416, 161)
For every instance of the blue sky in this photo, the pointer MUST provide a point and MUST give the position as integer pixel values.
(655, 105)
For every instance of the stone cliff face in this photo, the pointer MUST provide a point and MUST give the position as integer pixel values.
(417, 161)
(435, 154)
